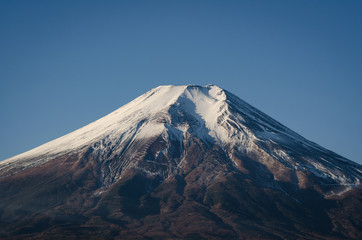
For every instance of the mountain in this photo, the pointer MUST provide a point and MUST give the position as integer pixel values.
(181, 162)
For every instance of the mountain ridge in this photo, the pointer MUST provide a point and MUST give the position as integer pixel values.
(181, 162)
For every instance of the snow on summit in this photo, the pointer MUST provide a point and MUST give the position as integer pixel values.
(208, 113)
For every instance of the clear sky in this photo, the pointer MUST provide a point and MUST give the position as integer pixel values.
(64, 64)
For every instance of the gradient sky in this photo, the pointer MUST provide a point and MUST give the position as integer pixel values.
(64, 64)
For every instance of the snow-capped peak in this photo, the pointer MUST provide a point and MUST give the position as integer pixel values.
(208, 113)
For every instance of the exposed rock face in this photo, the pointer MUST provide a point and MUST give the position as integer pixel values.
(181, 162)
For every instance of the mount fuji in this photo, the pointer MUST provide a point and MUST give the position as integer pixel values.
(181, 162)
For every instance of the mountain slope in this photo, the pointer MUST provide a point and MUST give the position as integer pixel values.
(175, 155)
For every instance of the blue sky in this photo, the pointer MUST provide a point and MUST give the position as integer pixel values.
(64, 64)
